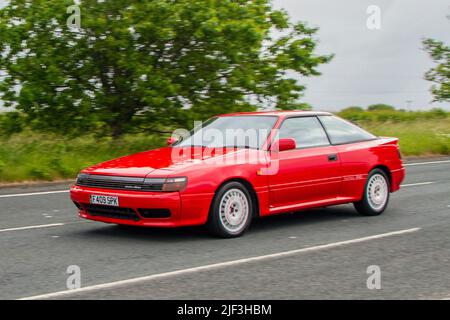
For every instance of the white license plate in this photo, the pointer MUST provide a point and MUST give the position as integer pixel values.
(105, 200)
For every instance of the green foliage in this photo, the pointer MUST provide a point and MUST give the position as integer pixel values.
(297, 106)
(440, 74)
(353, 109)
(379, 107)
(159, 62)
(420, 137)
(420, 132)
(10, 122)
(393, 115)
(37, 156)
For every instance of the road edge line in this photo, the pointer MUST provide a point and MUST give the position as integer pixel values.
(425, 163)
(33, 227)
(32, 193)
(215, 266)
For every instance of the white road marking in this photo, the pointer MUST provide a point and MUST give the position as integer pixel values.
(416, 184)
(216, 265)
(31, 194)
(33, 227)
(424, 163)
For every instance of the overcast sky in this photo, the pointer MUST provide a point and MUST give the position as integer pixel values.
(370, 66)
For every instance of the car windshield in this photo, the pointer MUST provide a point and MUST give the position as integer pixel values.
(230, 131)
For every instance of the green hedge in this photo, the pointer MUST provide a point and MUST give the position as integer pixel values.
(354, 114)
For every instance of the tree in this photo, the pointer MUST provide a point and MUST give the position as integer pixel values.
(152, 63)
(297, 106)
(440, 74)
(380, 106)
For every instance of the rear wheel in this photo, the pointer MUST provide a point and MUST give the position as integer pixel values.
(231, 211)
(376, 194)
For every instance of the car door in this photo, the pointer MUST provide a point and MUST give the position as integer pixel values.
(311, 172)
(354, 147)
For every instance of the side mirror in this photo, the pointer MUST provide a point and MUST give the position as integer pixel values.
(283, 145)
(171, 141)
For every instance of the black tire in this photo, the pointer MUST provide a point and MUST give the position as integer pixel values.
(368, 207)
(216, 224)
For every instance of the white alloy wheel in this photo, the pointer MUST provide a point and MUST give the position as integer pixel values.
(234, 210)
(377, 191)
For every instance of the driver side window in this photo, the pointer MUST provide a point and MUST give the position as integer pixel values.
(306, 131)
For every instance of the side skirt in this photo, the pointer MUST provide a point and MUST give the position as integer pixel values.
(311, 204)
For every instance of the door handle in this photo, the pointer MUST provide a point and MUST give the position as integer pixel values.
(332, 157)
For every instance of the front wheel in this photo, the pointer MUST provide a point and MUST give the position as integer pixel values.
(376, 194)
(231, 211)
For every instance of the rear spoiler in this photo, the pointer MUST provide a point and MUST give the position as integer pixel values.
(389, 140)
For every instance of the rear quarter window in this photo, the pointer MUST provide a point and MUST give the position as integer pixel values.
(340, 131)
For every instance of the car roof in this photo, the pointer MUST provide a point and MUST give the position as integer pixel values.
(278, 113)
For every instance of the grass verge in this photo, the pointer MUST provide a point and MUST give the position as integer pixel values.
(33, 156)
(29, 156)
(417, 138)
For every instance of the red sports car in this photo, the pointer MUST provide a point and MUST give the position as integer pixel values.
(235, 167)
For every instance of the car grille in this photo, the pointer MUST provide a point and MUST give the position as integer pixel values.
(119, 183)
(111, 212)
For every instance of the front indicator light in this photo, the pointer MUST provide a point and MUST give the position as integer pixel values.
(81, 177)
(174, 184)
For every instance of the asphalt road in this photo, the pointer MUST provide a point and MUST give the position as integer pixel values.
(316, 254)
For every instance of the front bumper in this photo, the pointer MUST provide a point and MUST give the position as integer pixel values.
(195, 207)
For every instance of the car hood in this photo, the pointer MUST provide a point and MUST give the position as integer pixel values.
(159, 162)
